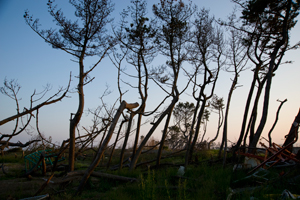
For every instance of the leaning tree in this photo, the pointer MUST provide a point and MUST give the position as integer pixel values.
(267, 24)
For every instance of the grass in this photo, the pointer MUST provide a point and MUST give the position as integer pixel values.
(202, 181)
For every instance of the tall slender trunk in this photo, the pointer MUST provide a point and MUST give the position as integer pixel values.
(137, 134)
(76, 119)
(234, 82)
(220, 123)
(188, 145)
(126, 140)
(163, 137)
(250, 94)
(253, 117)
(199, 118)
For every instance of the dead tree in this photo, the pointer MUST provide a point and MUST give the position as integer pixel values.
(11, 89)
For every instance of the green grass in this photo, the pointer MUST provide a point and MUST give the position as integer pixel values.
(201, 181)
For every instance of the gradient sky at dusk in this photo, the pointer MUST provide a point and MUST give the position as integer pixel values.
(27, 58)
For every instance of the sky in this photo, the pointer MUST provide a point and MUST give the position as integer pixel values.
(26, 58)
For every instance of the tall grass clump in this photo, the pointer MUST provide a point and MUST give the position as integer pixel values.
(147, 186)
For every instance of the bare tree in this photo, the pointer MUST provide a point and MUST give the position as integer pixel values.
(172, 30)
(207, 47)
(79, 39)
(11, 89)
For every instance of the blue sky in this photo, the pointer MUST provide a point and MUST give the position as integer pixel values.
(27, 58)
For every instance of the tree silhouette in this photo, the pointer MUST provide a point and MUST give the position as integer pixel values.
(81, 38)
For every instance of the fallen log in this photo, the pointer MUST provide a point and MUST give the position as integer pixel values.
(73, 175)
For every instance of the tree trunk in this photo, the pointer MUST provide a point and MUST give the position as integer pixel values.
(200, 115)
(75, 120)
(114, 146)
(250, 94)
(126, 140)
(188, 145)
(293, 133)
(149, 134)
(234, 82)
(220, 122)
(137, 134)
(163, 137)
